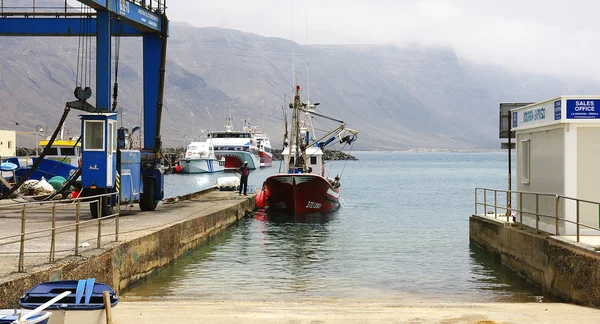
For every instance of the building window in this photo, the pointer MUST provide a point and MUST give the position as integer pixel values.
(313, 160)
(9, 144)
(525, 162)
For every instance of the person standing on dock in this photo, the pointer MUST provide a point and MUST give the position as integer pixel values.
(245, 172)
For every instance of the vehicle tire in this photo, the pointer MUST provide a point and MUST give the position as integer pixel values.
(105, 209)
(147, 201)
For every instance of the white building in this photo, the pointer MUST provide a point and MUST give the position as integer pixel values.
(558, 151)
(8, 143)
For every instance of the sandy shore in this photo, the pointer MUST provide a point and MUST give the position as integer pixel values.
(341, 311)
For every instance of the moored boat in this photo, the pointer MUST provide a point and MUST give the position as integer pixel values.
(200, 158)
(236, 147)
(263, 143)
(302, 187)
(10, 316)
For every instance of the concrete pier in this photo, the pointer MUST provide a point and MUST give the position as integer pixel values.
(565, 268)
(147, 241)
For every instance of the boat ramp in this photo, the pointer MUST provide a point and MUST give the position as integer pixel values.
(59, 240)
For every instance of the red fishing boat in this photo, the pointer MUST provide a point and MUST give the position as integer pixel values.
(302, 186)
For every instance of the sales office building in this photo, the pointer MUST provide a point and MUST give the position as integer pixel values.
(558, 151)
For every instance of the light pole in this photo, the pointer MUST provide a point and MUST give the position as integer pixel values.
(184, 141)
(38, 130)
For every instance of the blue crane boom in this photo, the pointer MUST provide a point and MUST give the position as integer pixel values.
(129, 18)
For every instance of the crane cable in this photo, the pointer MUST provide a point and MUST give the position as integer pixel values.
(116, 85)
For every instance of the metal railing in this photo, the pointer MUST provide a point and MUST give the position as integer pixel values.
(53, 207)
(556, 215)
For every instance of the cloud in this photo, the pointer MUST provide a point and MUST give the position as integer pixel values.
(528, 35)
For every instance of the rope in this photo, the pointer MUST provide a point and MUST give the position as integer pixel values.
(116, 84)
(344, 167)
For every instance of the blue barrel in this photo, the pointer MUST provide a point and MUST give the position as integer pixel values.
(43, 292)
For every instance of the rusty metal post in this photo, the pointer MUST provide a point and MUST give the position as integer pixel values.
(537, 213)
(521, 210)
(557, 203)
(577, 220)
(99, 221)
(22, 247)
(475, 201)
(53, 236)
(117, 218)
(495, 204)
(77, 206)
(484, 202)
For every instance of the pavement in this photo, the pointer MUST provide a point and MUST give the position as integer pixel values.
(349, 311)
(132, 223)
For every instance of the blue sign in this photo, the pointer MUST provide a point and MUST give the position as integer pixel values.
(138, 14)
(583, 109)
(515, 119)
(557, 110)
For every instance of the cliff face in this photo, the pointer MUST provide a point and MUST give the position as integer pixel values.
(398, 97)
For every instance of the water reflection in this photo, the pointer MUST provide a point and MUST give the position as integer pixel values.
(490, 274)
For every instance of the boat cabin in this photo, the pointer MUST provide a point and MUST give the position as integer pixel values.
(200, 150)
(65, 151)
(314, 157)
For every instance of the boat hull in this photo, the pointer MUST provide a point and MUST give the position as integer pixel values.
(298, 194)
(235, 159)
(201, 166)
(266, 159)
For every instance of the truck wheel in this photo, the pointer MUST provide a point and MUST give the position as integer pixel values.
(147, 201)
(105, 209)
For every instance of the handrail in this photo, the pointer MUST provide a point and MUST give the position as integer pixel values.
(53, 206)
(557, 198)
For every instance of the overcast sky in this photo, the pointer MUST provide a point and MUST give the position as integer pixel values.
(553, 36)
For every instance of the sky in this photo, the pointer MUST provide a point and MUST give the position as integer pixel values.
(560, 38)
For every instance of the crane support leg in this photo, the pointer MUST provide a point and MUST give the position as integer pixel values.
(103, 61)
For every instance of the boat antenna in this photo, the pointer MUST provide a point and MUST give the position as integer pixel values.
(293, 51)
(307, 58)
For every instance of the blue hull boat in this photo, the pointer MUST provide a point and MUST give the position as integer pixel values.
(86, 295)
(47, 169)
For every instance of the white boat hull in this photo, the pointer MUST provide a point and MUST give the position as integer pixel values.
(235, 159)
(201, 166)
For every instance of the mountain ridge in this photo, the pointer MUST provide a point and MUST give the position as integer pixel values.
(398, 97)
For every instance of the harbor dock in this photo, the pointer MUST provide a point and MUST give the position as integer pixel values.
(121, 251)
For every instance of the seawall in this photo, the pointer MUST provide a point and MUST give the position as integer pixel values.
(172, 230)
(563, 268)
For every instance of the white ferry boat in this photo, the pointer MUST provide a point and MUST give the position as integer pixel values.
(200, 158)
(236, 147)
(264, 146)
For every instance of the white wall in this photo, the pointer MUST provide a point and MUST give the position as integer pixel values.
(546, 173)
(8, 143)
(588, 175)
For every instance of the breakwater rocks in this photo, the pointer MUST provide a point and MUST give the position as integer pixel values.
(328, 155)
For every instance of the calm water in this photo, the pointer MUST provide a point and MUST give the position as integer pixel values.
(403, 233)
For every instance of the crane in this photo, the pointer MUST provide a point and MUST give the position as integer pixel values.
(105, 161)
